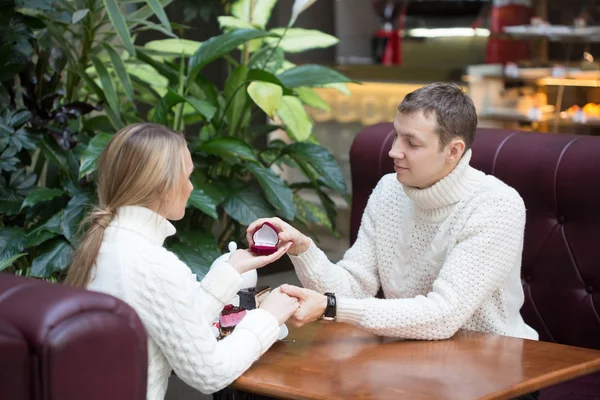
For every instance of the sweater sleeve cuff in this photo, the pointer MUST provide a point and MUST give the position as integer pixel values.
(222, 282)
(307, 263)
(350, 311)
(263, 325)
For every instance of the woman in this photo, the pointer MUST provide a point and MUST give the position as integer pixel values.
(143, 182)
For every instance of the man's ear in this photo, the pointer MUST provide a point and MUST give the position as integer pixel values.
(457, 148)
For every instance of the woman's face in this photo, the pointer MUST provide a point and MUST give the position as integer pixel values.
(178, 196)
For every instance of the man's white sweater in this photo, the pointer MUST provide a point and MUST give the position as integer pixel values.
(447, 257)
(177, 311)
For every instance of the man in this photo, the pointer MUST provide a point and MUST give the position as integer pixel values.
(442, 239)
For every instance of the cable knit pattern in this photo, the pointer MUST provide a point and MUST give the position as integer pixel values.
(447, 257)
(177, 311)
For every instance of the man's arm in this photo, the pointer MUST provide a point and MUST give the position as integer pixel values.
(356, 275)
(489, 246)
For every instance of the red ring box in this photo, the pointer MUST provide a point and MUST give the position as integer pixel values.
(265, 240)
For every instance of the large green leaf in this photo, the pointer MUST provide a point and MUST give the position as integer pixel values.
(10, 202)
(247, 205)
(53, 256)
(198, 260)
(276, 191)
(311, 75)
(118, 21)
(40, 195)
(171, 99)
(9, 261)
(158, 10)
(203, 202)
(268, 59)
(229, 148)
(92, 152)
(297, 40)
(54, 153)
(153, 71)
(236, 97)
(21, 139)
(46, 231)
(261, 11)
(174, 47)
(12, 242)
(8, 161)
(225, 21)
(218, 46)
(19, 118)
(266, 95)
(319, 158)
(107, 84)
(217, 191)
(73, 215)
(310, 213)
(309, 97)
(293, 115)
(120, 69)
(146, 12)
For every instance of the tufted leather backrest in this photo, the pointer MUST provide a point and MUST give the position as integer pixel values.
(60, 343)
(558, 177)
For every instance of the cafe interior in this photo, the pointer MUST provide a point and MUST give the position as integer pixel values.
(532, 69)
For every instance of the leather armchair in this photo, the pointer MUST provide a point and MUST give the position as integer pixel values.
(60, 343)
(558, 177)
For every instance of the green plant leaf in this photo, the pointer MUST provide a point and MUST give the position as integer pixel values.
(340, 87)
(146, 12)
(153, 70)
(19, 118)
(297, 40)
(266, 95)
(9, 261)
(158, 10)
(54, 256)
(174, 47)
(276, 191)
(54, 153)
(22, 139)
(198, 260)
(293, 115)
(10, 202)
(309, 212)
(39, 237)
(118, 21)
(79, 15)
(171, 99)
(319, 158)
(309, 97)
(247, 205)
(260, 14)
(73, 215)
(92, 152)
(203, 202)
(298, 7)
(236, 97)
(148, 25)
(229, 148)
(217, 191)
(225, 21)
(311, 75)
(12, 242)
(120, 69)
(267, 59)
(107, 85)
(8, 161)
(40, 195)
(218, 46)
(46, 231)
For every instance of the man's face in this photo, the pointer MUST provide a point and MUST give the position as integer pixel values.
(418, 161)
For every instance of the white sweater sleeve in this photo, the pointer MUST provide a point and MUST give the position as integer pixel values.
(165, 301)
(216, 289)
(356, 275)
(488, 247)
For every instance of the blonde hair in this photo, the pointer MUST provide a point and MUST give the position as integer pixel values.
(138, 167)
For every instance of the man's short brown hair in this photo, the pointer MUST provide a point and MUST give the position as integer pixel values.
(454, 110)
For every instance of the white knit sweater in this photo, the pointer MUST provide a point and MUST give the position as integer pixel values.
(176, 310)
(447, 257)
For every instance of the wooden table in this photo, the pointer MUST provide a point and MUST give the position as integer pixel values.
(338, 361)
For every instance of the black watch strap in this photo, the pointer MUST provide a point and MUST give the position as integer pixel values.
(331, 309)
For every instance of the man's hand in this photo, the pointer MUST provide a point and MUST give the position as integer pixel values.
(312, 305)
(280, 305)
(285, 232)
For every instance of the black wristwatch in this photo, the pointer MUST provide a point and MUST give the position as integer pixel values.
(331, 309)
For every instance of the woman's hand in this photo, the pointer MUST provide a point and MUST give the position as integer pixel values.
(280, 305)
(244, 260)
(286, 233)
(312, 304)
